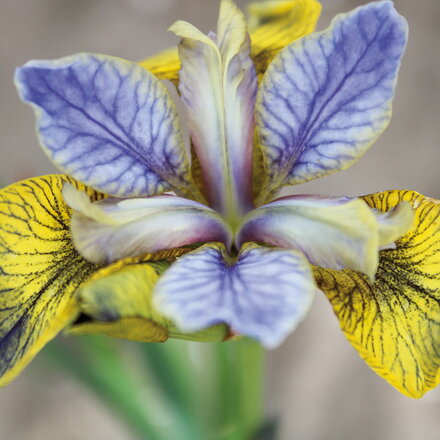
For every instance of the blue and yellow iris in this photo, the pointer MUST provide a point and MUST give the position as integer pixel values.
(148, 235)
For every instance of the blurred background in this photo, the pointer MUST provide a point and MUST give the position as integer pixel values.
(317, 386)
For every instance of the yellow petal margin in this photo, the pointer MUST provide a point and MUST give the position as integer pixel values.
(117, 301)
(39, 269)
(272, 25)
(394, 323)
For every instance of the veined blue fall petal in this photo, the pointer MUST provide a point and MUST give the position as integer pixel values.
(218, 85)
(263, 293)
(327, 97)
(335, 233)
(113, 229)
(107, 122)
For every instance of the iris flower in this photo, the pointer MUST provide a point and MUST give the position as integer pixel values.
(165, 222)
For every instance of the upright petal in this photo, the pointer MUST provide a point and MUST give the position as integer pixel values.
(394, 323)
(117, 301)
(332, 232)
(107, 122)
(263, 293)
(275, 24)
(39, 269)
(218, 87)
(326, 98)
(112, 229)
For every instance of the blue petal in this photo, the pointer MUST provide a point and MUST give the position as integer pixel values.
(263, 294)
(327, 97)
(107, 122)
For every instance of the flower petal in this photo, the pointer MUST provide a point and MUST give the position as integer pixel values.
(263, 294)
(326, 98)
(107, 122)
(39, 269)
(332, 232)
(394, 323)
(164, 65)
(113, 229)
(394, 223)
(117, 301)
(218, 87)
(275, 24)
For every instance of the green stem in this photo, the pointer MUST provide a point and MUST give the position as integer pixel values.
(171, 366)
(100, 364)
(216, 396)
(241, 389)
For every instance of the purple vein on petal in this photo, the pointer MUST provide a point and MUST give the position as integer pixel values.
(108, 123)
(264, 293)
(327, 97)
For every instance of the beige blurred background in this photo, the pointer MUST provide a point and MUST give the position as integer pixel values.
(317, 384)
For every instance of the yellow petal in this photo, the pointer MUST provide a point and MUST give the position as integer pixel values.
(132, 328)
(275, 24)
(118, 301)
(39, 269)
(394, 323)
(165, 65)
